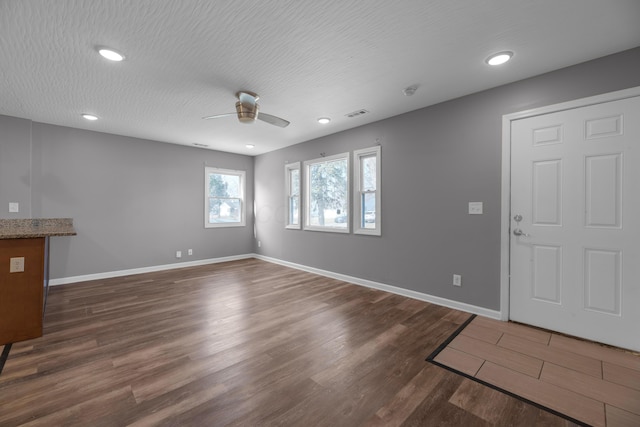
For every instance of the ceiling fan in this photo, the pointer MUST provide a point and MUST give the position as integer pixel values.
(247, 110)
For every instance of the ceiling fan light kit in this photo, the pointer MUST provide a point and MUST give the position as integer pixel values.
(247, 111)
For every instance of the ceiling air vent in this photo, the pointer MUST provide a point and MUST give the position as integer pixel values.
(357, 113)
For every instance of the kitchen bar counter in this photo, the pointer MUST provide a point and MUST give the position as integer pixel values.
(36, 227)
(24, 276)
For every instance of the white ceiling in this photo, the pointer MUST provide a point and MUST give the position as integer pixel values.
(305, 58)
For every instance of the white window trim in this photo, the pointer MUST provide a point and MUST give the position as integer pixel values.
(243, 205)
(288, 191)
(307, 194)
(357, 181)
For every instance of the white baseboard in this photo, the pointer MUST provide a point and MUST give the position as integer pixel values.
(494, 314)
(120, 273)
(345, 278)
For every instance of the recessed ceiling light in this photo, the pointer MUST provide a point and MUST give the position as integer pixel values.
(499, 58)
(88, 116)
(324, 120)
(250, 146)
(110, 54)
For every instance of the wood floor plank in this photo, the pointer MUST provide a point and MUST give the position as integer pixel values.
(404, 403)
(437, 410)
(95, 412)
(498, 408)
(183, 405)
(241, 343)
(567, 402)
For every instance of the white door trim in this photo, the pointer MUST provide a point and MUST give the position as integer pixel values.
(505, 217)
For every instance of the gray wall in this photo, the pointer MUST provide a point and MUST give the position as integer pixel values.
(434, 161)
(15, 166)
(134, 202)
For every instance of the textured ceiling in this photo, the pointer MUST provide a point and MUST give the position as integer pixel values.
(306, 59)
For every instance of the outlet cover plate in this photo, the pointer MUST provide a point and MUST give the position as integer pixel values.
(16, 265)
(475, 208)
(457, 280)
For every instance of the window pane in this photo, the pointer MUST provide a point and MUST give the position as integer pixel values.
(295, 182)
(293, 211)
(224, 210)
(369, 173)
(222, 185)
(368, 210)
(328, 188)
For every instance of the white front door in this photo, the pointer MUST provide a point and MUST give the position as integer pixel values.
(575, 222)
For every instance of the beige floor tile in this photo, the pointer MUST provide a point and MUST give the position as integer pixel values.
(604, 391)
(579, 378)
(567, 402)
(597, 351)
(482, 333)
(502, 356)
(517, 329)
(616, 417)
(557, 356)
(460, 361)
(621, 375)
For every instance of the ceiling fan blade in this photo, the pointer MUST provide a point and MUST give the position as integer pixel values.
(217, 116)
(273, 120)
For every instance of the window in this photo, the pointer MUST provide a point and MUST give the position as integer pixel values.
(326, 200)
(366, 204)
(292, 183)
(224, 204)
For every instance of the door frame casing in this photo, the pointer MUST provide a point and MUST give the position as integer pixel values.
(505, 211)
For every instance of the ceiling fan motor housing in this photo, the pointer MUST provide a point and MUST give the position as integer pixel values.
(247, 113)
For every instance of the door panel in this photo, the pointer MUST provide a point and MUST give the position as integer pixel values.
(575, 207)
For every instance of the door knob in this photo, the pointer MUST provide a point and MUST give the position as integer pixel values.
(518, 232)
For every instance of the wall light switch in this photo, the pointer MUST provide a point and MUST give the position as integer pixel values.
(475, 208)
(16, 265)
(178, 254)
(14, 207)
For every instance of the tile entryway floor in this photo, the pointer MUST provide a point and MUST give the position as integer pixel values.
(588, 382)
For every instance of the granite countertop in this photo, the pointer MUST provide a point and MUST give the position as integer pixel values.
(36, 227)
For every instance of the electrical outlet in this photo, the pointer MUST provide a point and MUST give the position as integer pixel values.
(178, 254)
(14, 207)
(190, 252)
(457, 280)
(16, 265)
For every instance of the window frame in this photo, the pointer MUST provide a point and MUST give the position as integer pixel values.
(307, 196)
(288, 169)
(208, 170)
(359, 192)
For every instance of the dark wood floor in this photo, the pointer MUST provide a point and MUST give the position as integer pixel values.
(244, 343)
